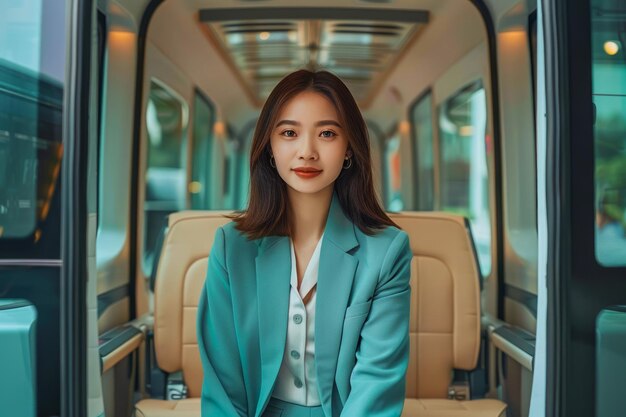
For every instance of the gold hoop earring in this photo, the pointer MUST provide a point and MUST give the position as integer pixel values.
(272, 163)
(349, 163)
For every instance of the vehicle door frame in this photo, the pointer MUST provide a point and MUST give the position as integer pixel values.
(578, 286)
(76, 139)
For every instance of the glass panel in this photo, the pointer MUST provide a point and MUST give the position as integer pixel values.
(532, 31)
(32, 75)
(32, 71)
(244, 172)
(609, 97)
(422, 121)
(203, 120)
(166, 173)
(394, 185)
(464, 175)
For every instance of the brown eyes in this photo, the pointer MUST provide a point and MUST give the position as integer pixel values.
(326, 134)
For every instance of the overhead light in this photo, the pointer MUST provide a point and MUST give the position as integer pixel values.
(264, 36)
(194, 187)
(404, 127)
(219, 128)
(466, 130)
(611, 47)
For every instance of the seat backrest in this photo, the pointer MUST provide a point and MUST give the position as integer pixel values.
(445, 301)
(180, 276)
(445, 306)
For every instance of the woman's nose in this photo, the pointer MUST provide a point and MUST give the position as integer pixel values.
(307, 148)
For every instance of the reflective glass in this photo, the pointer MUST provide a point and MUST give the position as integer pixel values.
(422, 123)
(32, 76)
(32, 72)
(609, 99)
(166, 174)
(203, 120)
(464, 175)
(394, 179)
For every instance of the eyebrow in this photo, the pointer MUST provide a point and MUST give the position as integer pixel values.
(317, 124)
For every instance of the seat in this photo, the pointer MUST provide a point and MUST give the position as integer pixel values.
(444, 326)
(179, 279)
(445, 315)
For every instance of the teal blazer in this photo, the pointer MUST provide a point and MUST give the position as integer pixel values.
(361, 320)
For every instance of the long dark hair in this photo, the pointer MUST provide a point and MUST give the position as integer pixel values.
(267, 212)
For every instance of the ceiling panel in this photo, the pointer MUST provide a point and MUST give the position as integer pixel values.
(360, 51)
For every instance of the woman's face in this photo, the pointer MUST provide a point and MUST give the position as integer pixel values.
(307, 134)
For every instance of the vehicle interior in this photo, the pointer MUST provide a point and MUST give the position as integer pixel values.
(497, 135)
(450, 119)
(447, 89)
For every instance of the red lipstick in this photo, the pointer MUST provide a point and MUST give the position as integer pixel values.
(307, 172)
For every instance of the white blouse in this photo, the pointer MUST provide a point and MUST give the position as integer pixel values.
(297, 378)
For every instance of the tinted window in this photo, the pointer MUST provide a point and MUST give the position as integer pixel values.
(422, 126)
(394, 179)
(203, 120)
(532, 33)
(166, 171)
(464, 176)
(609, 98)
(32, 71)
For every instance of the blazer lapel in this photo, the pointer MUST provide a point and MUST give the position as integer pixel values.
(273, 272)
(334, 283)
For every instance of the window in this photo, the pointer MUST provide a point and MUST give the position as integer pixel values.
(94, 189)
(244, 168)
(392, 164)
(532, 33)
(463, 175)
(608, 40)
(32, 72)
(203, 121)
(422, 128)
(166, 172)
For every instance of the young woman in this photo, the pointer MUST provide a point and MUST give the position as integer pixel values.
(305, 308)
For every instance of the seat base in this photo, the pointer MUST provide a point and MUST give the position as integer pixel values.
(414, 407)
(189, 407)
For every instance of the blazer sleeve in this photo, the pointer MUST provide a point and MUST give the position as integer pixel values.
(223, 391)
(378, 379)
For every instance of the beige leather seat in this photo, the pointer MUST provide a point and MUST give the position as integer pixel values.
(445, 315)
(180, 275)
